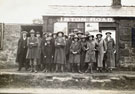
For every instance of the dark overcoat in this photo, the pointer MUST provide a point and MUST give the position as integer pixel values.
(60, 55)
(48, 52)
(21, 51)
(39, 48)
(75, 47)
(83, 51)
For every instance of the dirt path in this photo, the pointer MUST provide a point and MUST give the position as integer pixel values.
(63, 91)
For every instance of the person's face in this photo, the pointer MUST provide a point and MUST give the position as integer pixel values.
(38, 35)
(90, 38)
(54, 36)
(60, 34)
(108, 35)
(24, 35)
(45, 35)
(99, 36)
(75, 39)
(83, 39)
(79, 35)
(32, 35)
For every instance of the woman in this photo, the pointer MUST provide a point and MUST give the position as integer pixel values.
(100, 51)
(32, 50)
(48, 52)
(60, 57)
(83, 51)
(38, 63)
(110, 52)
(90, 54)
(74, 57)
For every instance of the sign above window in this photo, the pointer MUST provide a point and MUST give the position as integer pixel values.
(77, 19)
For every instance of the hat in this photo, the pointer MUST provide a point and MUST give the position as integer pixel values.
(108, 33)
(91, 36)
(48, 39)
(24, 32)
(32, 31)
(83, 36)
(49, 34)
(99, 34)
(60, 32)
(72, 34)
(37, 32)
(44, 33)
(79, 32)
(87, 33)
(54, 33)
(76, 37)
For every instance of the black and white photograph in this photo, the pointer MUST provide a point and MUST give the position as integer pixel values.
(67, 46)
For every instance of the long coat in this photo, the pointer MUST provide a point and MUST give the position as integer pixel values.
(32, 48)
(75, 47)
(60, 55)
(48, 52)
(90, 54)
(110, 56)
(83, 51)
(100, 52)
(21, 51)
(39, 48)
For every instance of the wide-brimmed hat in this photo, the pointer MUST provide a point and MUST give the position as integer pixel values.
(37, 32)
(72, 34)
(32, 31)
(76, 37)
(24, 32)
(108, 33)
(91, 36)
(83, 36)
(50, 34)
(48, 39)
(99, 34)
(44, 33)
(79, 32)
(60, 32)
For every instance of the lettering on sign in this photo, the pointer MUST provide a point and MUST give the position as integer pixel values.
(65, 19)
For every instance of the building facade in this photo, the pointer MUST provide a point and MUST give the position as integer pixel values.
(118, 20)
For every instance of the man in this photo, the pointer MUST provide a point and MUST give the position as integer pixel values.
(22, 51)
(110, 52)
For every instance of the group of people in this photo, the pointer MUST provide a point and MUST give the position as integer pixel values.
(56, 52)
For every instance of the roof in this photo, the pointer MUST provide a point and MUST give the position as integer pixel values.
(62, 10)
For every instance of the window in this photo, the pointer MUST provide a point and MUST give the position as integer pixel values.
(72, 26)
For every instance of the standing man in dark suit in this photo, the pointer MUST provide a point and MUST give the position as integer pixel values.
(22, 51)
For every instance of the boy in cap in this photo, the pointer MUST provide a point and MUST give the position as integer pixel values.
(32, 50)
